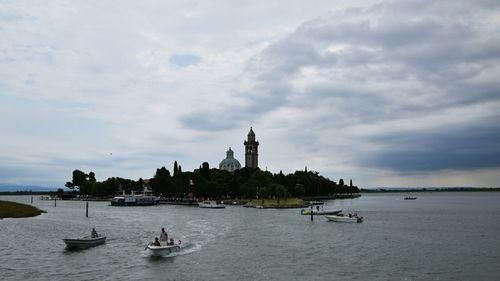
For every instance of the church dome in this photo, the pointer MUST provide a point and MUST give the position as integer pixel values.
(230, 163)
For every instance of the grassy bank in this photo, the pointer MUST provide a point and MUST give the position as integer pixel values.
(17, 210)
(271, 203)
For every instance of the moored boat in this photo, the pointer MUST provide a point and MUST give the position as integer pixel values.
(341, 218)
(318, 209)
(145, 199)
(85, 242)
(320, 212)
(211, 204)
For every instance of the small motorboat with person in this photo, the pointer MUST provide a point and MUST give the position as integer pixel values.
(341, 218)
(164, 248)
(94, 239)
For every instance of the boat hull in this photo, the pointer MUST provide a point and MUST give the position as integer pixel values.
(344, 219)
(133, 203)
(324, 212)
(211, 205)
(163, 250)
(85, 242)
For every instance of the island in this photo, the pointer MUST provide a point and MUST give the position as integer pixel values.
(251, 187)
(10, 209)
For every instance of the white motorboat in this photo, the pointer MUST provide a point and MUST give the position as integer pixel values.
(342, 218)
(314, 203)
(85, 242)
(211, 204)
(163, 249)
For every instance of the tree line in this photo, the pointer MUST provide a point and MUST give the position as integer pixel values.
(214, 183)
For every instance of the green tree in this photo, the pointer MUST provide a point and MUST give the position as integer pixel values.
(205, 170)
(162, 172)
(79, 179)
(280, 191)
(175, 168)
(69, 185)
(298, 190)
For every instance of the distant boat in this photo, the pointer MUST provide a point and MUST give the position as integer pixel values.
(410, 198)
(84, 242)
(145, 199)
(211, 204)
(314, 203)
(321, 211)
(342, 218)
(318, 209)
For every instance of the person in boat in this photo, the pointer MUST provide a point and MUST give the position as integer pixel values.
(171, 241)
(94, 234)
(157, 242)
(163, 235)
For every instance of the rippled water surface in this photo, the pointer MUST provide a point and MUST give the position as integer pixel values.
(439, 236)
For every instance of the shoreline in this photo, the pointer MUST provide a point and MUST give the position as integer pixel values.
(10, 209)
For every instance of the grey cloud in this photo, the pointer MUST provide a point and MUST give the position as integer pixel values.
(461, 148)
(210, 120)
(264, 98)
(407, 51)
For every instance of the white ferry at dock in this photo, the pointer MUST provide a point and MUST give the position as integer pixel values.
(146, 198)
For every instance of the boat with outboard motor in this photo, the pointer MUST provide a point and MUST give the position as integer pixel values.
(146, 198)
(85, 242)
(341, 218)
(164, 248)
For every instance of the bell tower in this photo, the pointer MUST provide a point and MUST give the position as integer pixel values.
(251, 151)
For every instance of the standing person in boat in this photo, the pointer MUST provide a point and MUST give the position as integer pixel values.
(163, 235)
(94, 234)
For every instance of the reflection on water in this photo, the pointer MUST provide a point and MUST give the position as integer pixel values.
(439, 236)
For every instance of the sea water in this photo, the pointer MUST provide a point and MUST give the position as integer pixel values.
(439, 236)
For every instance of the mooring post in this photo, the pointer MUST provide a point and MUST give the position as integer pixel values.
(312, 219)
(55, 202)
(87, 210)
(31, 199)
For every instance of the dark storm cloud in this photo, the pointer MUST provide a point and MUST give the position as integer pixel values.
(459, 148)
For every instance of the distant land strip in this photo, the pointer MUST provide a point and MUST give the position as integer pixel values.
(17, 210)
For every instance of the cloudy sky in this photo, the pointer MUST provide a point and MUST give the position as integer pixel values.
(388, 93)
